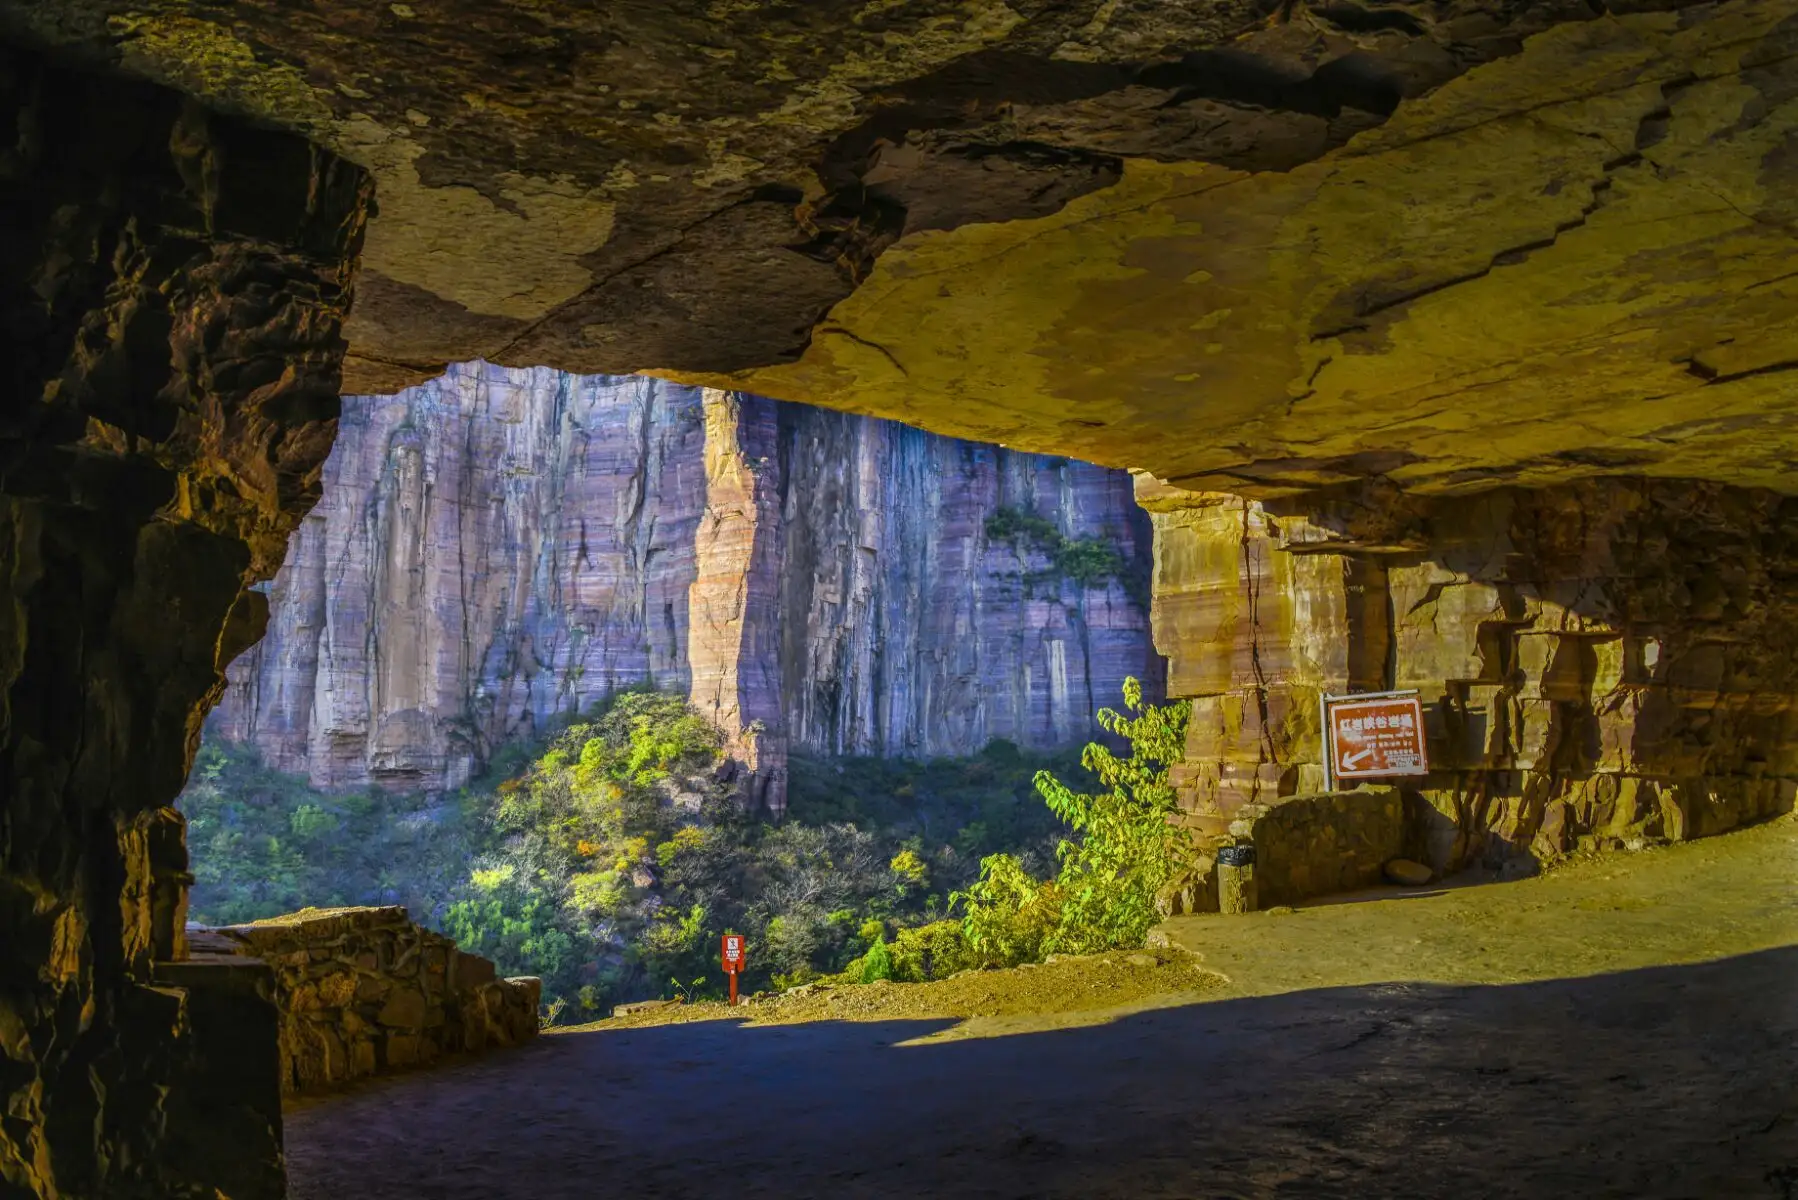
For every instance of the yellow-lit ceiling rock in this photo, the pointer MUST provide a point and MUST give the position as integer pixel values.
(1259, 245)
(1581, 259)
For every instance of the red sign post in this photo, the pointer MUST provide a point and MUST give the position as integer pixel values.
(731, 951)
(1373, 737)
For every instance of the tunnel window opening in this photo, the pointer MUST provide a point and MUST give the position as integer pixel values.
(687, 661)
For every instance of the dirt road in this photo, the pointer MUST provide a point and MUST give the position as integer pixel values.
(1323, 1067)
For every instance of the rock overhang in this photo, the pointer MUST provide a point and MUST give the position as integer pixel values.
(1257, 247)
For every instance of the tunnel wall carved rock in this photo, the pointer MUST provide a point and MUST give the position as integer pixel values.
(500, 547)
(364, 991)
(1601, 663)
(172, 285)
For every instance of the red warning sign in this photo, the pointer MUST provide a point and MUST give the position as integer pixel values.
(1374, 737)
(731, 951)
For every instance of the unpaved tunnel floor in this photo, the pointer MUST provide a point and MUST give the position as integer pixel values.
(1511, 1040)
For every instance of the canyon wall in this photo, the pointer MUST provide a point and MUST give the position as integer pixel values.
(1602, 663)
(499, 548)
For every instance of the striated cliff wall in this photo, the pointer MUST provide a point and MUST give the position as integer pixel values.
(499, 547)
(1604, 662)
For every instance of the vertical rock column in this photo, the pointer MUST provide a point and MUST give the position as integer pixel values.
(734, 639)
(173, 286)
(1254, 634)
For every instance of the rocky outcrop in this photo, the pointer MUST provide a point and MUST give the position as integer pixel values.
(364, 991)
(733, 643)
(172, 287)
(499, 548)
(1605, 663)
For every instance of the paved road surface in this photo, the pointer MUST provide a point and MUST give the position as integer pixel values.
(1621, 1080)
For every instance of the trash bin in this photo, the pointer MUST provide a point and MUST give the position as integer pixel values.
(1236, 879)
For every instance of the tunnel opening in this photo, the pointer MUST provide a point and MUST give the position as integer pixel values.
(1506, 488)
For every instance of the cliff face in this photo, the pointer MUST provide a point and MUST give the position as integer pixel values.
(499, 547)
(491, 548)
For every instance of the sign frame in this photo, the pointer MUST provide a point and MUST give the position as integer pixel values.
(1327, 731)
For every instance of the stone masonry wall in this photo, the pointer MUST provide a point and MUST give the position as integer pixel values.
(1315, 845)
(1605, 662)
(363, 991)
(1305, 846)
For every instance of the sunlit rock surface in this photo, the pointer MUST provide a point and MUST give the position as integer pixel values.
(1601, 664)
(1245, 245)
(498, 548)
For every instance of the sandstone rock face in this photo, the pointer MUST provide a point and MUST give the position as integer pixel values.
(364, 991)
(1247, 245)
(694, 185)
(500, 547)
(172, 285)
(1601, 663)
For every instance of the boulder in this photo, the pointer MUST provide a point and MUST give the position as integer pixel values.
(1406, 873)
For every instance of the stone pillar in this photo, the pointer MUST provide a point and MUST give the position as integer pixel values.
(1236, 890)
(733, 637)
(172, 286)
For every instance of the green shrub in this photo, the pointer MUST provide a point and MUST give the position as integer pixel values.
(1124, 849)
(312, 821)
(1087, 561)
(877, 963)
(934, 951)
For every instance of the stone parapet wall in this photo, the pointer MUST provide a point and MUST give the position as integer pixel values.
(364, 991)
(1305, 846)
(1315, 845)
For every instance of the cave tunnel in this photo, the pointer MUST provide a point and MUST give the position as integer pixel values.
(1452, 347)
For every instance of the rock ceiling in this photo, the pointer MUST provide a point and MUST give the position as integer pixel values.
(1256, 245)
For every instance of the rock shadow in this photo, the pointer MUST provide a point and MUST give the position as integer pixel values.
(1663, 1082)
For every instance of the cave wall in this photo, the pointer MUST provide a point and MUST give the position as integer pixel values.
(500, 547)
(1604, 663)
(173, 286)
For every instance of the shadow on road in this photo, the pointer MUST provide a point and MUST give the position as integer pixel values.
(1667, 1082)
